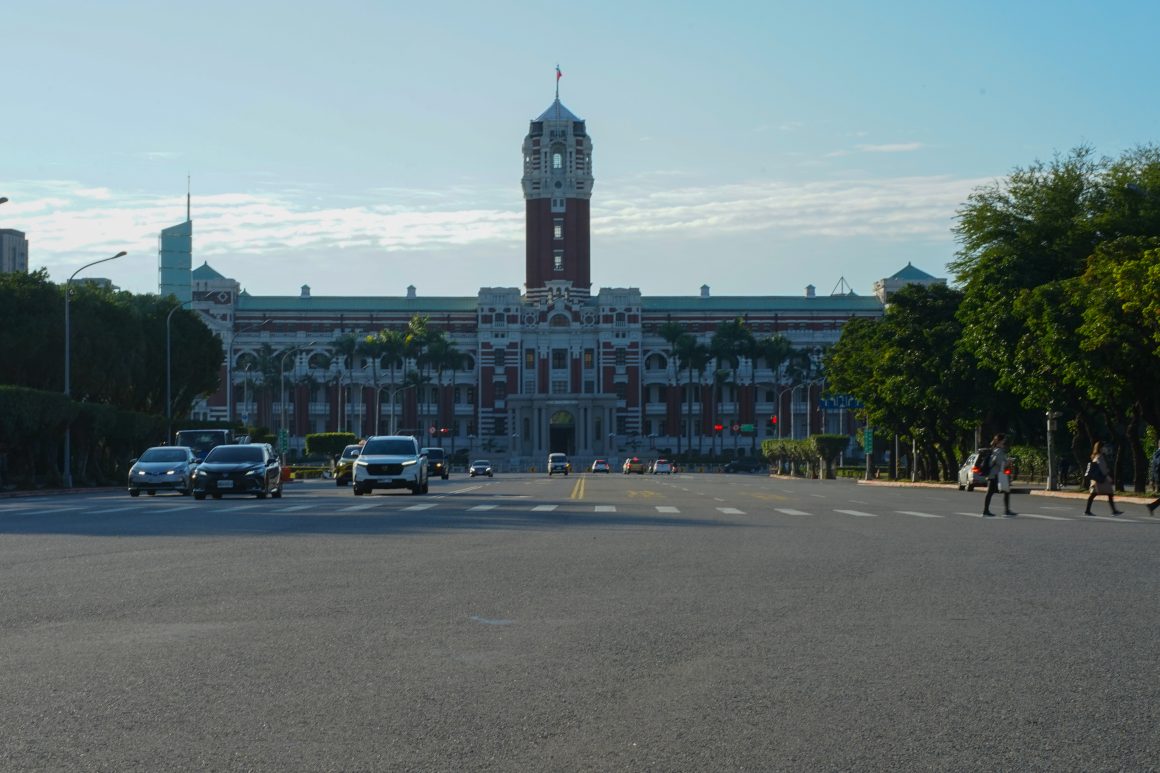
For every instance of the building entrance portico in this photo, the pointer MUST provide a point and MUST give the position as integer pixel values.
(562, 433)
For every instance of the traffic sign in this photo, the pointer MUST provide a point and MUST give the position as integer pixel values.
(431, 430)
(868, 440)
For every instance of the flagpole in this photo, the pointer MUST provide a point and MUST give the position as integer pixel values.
(558, 74)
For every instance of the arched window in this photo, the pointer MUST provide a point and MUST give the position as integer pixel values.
(557, 160)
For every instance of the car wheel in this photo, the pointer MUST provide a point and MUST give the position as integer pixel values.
(489, 475)
(961, 487)
(338, 482)
(970, 487)
(134, 492)
(187, 491)
(198, 495)
(426, 486)
(446, 475)
(358, 490)
(277, 493)
(151, 493)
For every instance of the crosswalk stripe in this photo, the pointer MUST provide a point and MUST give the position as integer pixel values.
(1109, 518)
(544, 508)
(667, 509)
(920, 515)
(1045, 517)
(296, 508)
(731, 511)
(790, 511)
(858, 513)
(483, 507)
(354, 508)
(606, 508)
(420, 507)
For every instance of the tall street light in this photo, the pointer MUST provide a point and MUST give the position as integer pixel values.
(168, 373)
(230, 369)
(282, 377)
(68, 362)
(394, 390)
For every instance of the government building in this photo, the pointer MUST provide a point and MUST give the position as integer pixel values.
(554, 366)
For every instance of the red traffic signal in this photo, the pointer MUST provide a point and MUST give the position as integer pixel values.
(773, 420)
(718, 427)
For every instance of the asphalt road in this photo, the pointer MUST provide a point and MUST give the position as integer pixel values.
(610, 622)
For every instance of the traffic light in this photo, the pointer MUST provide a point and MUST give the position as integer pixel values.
(773, 420)
(718, 427)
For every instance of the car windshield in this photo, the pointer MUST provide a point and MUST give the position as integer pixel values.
(481, 463)
(231, 454)
(350, 452)
(172, 454)
(389, 447)
(433, 453)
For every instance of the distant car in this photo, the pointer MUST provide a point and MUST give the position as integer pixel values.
(344, 469)
(971, 475)
(162, 468)
(634, 464)
(601, 465)
(390, 461)
(249, 469)
(662, 467)
(480, 467)
(558, 463)
(746, 464)
(437, 463)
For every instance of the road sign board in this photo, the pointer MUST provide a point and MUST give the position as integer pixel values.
(868, 440)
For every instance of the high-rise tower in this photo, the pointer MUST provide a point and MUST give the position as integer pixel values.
(557, 187)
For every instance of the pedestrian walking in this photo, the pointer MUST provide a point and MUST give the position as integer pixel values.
(998, 476)
(1100, 474)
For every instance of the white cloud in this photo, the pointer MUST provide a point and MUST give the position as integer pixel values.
(69, 224)
(898, 147)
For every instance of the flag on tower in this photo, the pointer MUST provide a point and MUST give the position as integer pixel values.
(559, 74)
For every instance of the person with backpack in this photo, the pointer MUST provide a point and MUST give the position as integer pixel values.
(998, 476)
(1099, 472)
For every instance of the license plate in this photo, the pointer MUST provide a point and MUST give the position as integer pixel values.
(225, 484)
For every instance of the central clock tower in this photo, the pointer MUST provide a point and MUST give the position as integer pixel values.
(557, 186)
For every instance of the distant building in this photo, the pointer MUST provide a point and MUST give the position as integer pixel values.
(906, 276)
(174, 261)
(13, 251)
(554, 367)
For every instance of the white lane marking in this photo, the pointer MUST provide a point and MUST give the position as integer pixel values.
(858, 513)
(1109, 518)
(419, 507)
(667, 509)
(354, 508)
(1042, 517)
(731, 511)
(790, 511)
(296, 508)
(482, 507)
(920, 515)
(174, 509)
(236, 508)
(973, 515)
(544, 508)
(606, 508)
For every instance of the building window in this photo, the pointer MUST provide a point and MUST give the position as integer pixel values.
(500, 425)
(559, 387)
(559, 359)
(590, 389)
(557, 160)
(589, 358)
(558, 260)
(622, 391)
(621, 356)
(529, 359)
(500, 320)
(558, 228)
(500, 358)
(500, 390)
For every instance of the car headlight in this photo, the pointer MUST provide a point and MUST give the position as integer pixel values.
(135, 471)
(409, 462)
(171, 472)
(254, 471)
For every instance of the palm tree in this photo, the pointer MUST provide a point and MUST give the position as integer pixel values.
(418, 336)
(672, 332)
(731, 341)
(343, 350)
(694, 356)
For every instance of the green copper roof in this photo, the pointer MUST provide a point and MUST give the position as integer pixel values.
(753, 303)
(322, 303)
(204, 272)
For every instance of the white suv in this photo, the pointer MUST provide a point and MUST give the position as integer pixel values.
(390, 461)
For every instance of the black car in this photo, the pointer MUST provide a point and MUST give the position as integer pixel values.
(437, 463)
(746, 464)
(250, 469)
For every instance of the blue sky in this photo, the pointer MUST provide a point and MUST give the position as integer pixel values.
(361, 147)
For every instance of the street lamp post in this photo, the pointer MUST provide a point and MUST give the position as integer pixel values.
(168, 374)
(68, 361)
(282, 378)
(394, 390)
(230, 369)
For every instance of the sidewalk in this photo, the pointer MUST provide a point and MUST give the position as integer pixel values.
(1033, 490)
